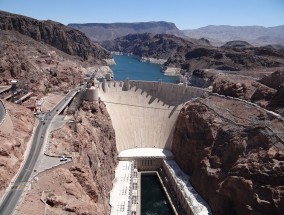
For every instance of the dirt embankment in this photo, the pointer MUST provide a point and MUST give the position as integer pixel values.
(83, 186)
(234, 154)
(13, 145)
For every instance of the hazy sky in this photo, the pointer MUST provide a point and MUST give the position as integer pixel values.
(186, 14)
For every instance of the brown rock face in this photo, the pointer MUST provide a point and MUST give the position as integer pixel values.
(13, 145)
(64, 38)
(83, 187)
(234, 155)
(38, 67)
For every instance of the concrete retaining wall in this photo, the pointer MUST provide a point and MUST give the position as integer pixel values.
(144, 114)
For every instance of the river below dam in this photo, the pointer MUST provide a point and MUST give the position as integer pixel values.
(130, 67)
(153, 199)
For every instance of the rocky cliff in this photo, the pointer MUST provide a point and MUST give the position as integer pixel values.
(111, 31)
(13, 145)
(44, 56)
(266, 91)
(66, 39)
(38, 67)
(83, 186)
(234, 154)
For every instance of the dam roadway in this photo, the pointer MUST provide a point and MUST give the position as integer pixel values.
(14, 192)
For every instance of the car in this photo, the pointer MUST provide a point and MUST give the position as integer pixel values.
(63, 158)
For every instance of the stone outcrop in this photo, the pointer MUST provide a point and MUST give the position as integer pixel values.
(83, 187)
(37, 67)
(66, 39)
(234, 155)
(273, 80)
(13, 145)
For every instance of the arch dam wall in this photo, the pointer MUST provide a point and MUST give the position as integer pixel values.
(144, 114)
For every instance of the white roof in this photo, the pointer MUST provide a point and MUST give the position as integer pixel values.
(146, 152)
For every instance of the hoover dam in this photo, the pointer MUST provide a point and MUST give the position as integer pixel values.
(144, 115)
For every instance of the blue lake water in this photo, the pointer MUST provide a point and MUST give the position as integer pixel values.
(131, 68)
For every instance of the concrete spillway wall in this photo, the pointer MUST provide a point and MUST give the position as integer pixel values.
(144, 114)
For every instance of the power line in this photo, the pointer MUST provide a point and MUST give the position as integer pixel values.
(132, 105)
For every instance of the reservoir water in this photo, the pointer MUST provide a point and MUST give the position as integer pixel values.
(153, 199)
(131, 67)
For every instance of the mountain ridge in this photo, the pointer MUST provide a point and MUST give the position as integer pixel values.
(64, 38)
(111, 31)
(256, 35)
(217, 34)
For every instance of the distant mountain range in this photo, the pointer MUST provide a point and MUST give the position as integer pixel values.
(255, 35)
(217, 35)
(103, 31)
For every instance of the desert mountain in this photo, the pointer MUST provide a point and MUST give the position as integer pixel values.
(66, 39)
(44, 55)
(160, 46)
(256, 35)
(194, 54)
(104, 31)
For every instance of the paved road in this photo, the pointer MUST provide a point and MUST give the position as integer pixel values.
(2, 111)
(13, 195)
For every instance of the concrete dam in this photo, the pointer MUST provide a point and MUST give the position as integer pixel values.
(144, 114)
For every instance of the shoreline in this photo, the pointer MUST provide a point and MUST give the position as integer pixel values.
(171, 71)
(159, 61)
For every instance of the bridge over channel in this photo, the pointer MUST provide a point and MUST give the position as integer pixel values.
(144, 114)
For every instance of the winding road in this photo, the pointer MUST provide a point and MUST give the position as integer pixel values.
(13, 195)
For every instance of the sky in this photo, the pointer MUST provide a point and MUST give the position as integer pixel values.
(186, 14)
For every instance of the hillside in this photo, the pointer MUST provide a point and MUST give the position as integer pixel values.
(44, 56)
(160, 46)
(194, 54)
(66, 39)
(104, 31)
(256, 35)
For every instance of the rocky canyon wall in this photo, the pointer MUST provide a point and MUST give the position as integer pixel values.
(13, 142)
(234, 155)
(82, 186)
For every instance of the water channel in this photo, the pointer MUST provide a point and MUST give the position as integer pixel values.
(153, 198)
